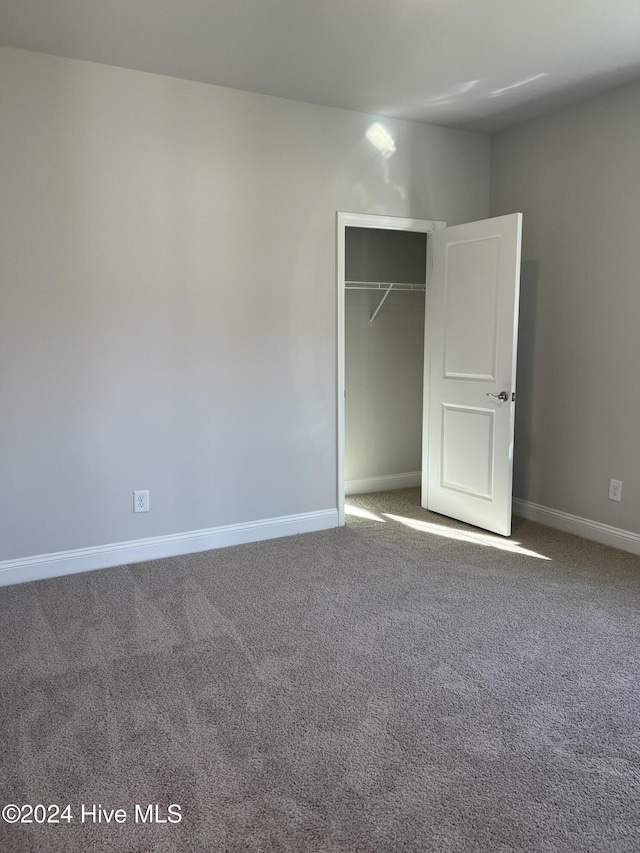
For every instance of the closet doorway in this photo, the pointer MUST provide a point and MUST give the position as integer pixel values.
(471, 287)
(382, 269)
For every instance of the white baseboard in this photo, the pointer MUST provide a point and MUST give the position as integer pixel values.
(139, 550)
(604, 533)
(383, 484)
(104, 556)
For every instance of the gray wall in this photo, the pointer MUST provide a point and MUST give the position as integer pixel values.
(383, 361)
(167, 287)
(576, 177)
(383, 381)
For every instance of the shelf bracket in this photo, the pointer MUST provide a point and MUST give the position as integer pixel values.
(375, 313)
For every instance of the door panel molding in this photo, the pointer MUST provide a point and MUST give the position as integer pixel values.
(471, 301)
(457, 447)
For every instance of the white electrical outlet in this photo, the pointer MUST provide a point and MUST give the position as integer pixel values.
(141, 501)
(615, 490)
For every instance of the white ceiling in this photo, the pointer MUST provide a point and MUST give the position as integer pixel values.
(476, 64)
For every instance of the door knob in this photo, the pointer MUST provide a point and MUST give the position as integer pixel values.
(501, 396)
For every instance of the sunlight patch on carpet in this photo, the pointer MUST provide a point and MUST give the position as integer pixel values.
(486, 539)
(361, 513)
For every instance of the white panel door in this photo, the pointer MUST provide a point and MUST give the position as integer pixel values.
(469, 400)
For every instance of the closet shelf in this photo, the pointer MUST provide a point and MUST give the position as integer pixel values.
(384, 285)
(387, 286)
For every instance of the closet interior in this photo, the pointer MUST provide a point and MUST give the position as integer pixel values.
(385, 276)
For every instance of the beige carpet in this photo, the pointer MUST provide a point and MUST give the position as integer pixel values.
(403, 684)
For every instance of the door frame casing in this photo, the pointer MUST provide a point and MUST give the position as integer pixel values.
(361, 220)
